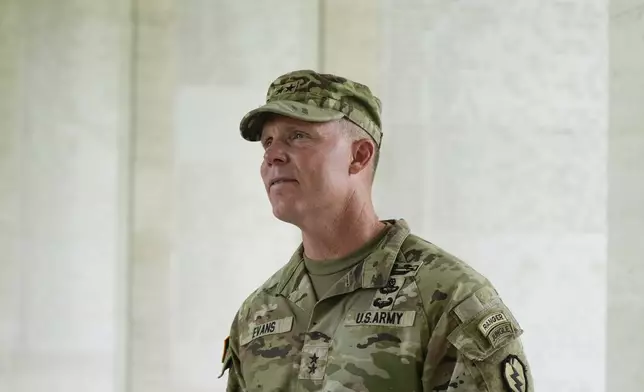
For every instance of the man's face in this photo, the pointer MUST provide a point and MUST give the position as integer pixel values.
(305, 168)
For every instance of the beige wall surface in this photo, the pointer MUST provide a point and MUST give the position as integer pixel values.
(133, 221)
(500, 108)
(626, 198)
(64, 118)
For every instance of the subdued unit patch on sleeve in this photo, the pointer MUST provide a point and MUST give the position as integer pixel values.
(485, 325)
(514, 374)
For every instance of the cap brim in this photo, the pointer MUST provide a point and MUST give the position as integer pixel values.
(251, 124)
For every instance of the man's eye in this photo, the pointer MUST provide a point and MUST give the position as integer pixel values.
(266, 143)
(298, 135)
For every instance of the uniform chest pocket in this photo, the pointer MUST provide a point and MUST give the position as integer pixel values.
(267, 351)
(270, 341)
(377, 350)
(378, 329)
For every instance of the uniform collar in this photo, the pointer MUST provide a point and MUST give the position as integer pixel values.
(374, 272)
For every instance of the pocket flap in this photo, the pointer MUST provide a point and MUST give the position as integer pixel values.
(483, 335)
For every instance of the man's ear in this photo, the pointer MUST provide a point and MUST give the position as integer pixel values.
(362, 153)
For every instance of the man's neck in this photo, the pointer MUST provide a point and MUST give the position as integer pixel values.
(337, 235)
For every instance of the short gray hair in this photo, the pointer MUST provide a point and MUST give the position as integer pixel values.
(354, 132)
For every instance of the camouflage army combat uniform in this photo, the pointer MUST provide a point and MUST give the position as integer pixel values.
(407, 316)
(410, 317)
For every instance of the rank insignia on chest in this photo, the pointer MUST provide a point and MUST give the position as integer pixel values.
(313, 362)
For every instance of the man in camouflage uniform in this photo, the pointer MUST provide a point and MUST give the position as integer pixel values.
(363, 304)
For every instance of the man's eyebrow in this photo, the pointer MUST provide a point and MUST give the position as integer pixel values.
(299, 128)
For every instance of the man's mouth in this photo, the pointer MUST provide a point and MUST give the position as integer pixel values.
(278, 181)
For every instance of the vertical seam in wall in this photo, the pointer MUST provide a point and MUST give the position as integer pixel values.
(129, 152)
(23, 131)
(20, 125)
(607, 116)
(321, 38)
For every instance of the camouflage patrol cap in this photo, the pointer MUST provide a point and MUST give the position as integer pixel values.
(311, 96)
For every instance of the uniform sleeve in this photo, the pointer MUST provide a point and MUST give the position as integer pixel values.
(476, 347)
(230, 362)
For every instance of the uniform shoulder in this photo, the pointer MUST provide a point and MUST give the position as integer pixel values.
(443, 279)
(268, 287)
(464, 308)
(438, 262)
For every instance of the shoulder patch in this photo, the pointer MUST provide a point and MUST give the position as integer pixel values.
(491, 321)
(227, 357)
(501, 333)
(513, 372)
(485, 325)
(226, 345)
(496, 327)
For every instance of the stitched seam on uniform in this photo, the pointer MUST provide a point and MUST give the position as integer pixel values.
(284, 282)
(420, 294)
(462, 325)
(336, 103)
(466, 307)
(458, 331)
(398, 253)
(478, 378)
(234, 345)
(337, 325)
(305, 104)
(422, 303)
(493, 303)
(301, 95)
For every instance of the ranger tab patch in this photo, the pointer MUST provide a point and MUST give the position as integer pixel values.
(499, 334)
(491, 321)
(513, 372)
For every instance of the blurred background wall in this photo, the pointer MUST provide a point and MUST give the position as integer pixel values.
(133, 221)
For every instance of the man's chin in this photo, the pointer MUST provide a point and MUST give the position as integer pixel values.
(285, 213)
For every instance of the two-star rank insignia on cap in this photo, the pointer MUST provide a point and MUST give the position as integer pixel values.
(514, 374)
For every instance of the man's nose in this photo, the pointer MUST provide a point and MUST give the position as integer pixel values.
(275, 154)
